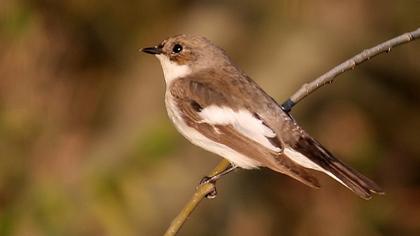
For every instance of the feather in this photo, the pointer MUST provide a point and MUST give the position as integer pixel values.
(358, 183)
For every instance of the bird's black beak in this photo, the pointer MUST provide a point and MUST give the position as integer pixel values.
(152, 50)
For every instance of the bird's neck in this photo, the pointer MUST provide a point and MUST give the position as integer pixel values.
(172, 70)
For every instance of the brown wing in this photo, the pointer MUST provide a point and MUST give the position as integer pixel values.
(192, 95)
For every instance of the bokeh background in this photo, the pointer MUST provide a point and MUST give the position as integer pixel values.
(86, 147)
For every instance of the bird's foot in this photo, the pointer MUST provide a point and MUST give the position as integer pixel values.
(212, 180)
(209, 180)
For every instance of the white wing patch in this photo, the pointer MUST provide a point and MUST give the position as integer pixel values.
(200, 140)
(243, 121)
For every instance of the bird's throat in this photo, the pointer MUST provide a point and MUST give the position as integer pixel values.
(172, 70)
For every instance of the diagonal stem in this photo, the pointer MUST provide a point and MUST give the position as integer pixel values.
(201, 192)
(350, 64)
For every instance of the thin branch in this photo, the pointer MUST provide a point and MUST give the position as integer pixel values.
(304, 91)
(201, 192)
(365, 55)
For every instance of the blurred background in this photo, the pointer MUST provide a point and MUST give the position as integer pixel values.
(86, 147)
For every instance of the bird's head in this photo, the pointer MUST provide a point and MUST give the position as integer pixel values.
(182, 54)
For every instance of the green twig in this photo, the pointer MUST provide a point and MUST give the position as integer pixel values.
(201, 192)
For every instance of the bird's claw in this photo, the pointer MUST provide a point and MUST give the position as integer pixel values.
(205, 180)
(209, 180)
(212, 194)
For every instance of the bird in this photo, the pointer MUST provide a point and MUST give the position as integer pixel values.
(219, 108)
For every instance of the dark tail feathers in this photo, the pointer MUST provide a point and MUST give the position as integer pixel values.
(358, 183)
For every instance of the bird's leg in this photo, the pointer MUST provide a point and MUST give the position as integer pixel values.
(214, 178)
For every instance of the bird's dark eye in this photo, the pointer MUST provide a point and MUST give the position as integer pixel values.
(177, 48)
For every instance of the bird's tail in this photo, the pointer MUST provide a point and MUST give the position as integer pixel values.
(356, 182)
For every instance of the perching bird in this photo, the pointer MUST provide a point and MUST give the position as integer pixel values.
(219, 108)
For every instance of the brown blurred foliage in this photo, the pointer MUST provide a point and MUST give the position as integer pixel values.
(86, 147)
